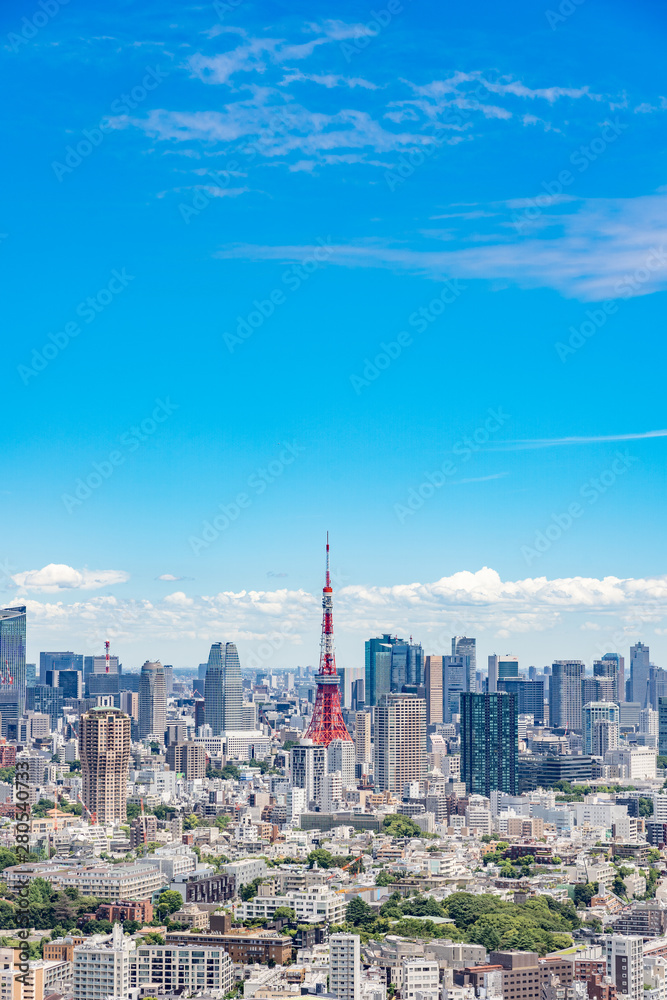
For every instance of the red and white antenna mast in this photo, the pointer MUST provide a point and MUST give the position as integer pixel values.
(106, 648)
(327, 723)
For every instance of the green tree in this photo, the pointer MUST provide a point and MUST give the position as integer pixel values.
(322, 858)
(383, 878)
(645, 806)
(359, 913)
(584, 893)
(249, 890)
(170, 901)
(284, 913)
(396, 825)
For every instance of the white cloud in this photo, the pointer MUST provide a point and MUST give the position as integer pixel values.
(605, 249)
(532, 443)
(480, 599)
(57, 576)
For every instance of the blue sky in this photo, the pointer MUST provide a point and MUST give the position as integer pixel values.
(395, 272)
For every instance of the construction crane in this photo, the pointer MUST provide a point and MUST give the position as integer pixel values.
(345, 867)
(92, 816)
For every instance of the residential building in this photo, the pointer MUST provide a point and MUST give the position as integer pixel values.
(625, 964)
(400, 741)
(152, 700)
(242, 945)
(362, 737)
(345, 966)
(104, 751)
(188, 759)
(186, 969)
(420, 979)
(341, 757)
(246, 870)
(315, 904)
(102, 966)
(308, 766)
(489, 742)
(433, 680)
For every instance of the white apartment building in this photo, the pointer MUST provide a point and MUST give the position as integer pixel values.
(102, 966)
(332, 792)
(341, 757)
(345, 966)
(317, 904)
(113, 882)
(187, 969)
(625, 964)
(478, 818)
(246, 870)
(173, 861)
(420, 977)
(637, 763)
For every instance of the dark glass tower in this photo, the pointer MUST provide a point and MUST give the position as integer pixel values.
(223, 689)
(489, 742)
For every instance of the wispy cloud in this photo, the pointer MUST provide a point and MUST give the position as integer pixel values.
(531, 443)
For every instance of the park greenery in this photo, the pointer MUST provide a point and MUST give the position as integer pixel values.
(541, 924)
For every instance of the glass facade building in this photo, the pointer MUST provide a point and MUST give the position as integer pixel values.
(390, 665)
(529, 695)
(489, 743)
(223, 687)
(12, 653)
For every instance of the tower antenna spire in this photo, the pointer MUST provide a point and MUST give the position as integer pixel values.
(327, 723)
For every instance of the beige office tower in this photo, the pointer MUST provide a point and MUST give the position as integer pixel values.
(433, 680)
(152, 700)
(104, 749)
(400, 741)
(362, 737)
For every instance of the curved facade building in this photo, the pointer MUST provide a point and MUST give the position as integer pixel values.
(223, 689)
(152, 700)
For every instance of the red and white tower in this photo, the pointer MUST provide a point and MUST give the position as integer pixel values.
(327, 722)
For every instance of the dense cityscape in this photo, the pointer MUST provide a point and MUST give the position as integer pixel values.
(414, 827)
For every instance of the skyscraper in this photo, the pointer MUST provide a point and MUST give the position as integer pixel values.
(454, 683)
(362, 737)
(223, 689)
(213, 688)
(390, 664)
(152, 700)
(12, 653)
(601, 727)
(400, 741)
(597, 689)
(611, 666)
(433, 678)
(489, 743)
(104, 750)
(529, 695)
(639, 673)
(59, 661)
(565, 694)
(463, 645)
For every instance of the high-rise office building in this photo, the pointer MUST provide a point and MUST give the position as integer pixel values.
(611, 668)
(529, 695)
(454, 682)
(224, 689)
(152, 700)
(46, 699)
(657, 685)
(345, 966)
(433, 678)
(565, 694)
(362, 737)
(601, 727)
(100, 665)
(463, 645)
(400, 741)
(169, 678)
(598, 689)
(505, 667)
(59, 661)
(12, 653)
(639, 673)
(104, 751)
(489, 743)
(390, 664)
(70, 681)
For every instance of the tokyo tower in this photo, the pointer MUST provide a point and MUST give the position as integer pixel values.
(327, 722)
